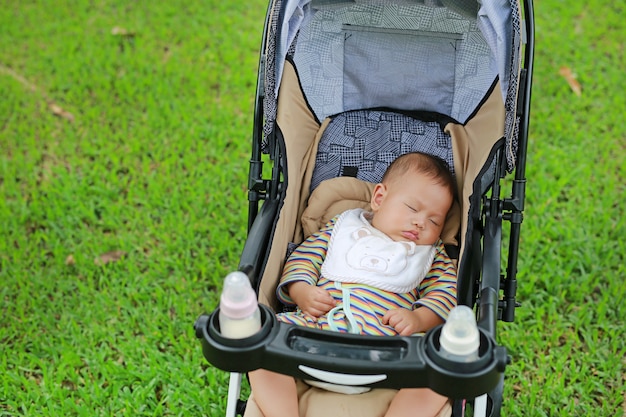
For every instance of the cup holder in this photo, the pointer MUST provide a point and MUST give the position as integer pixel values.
(433, 352)
(212, 326)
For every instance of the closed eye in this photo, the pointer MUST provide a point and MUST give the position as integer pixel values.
(433, 221)
(414, 210)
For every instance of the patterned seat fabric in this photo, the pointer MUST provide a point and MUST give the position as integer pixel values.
(362, 144)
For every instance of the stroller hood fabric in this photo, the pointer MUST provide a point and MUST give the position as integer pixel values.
(467, 56)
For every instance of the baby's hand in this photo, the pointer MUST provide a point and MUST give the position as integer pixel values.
(406, 322)
(312, 300)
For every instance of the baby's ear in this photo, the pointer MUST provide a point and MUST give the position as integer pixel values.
(378, 195)
(360, 233)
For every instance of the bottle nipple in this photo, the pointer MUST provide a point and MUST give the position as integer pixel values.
(238, 299)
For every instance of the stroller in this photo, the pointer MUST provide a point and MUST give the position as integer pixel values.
(344, 87)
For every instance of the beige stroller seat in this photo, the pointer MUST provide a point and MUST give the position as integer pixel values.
(317, 402)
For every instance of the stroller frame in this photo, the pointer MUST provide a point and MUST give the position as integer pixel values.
(413, 362)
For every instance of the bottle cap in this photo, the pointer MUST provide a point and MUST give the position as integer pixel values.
(238, 299)
(459, 335)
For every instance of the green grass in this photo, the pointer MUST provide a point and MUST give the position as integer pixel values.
(124, 136)
(568, 342)
(153, 165)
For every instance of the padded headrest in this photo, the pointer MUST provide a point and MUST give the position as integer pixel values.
(333, 197)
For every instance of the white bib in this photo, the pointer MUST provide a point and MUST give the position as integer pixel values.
(359, 253)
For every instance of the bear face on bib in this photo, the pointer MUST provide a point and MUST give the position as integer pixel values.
(373, 253)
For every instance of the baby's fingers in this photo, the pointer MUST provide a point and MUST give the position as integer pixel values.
(390, 318)
(317, 310)
(325, 298)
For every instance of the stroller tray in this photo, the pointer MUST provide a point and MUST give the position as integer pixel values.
(340, 358)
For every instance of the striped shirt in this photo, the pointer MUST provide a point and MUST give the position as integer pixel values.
(437, 291)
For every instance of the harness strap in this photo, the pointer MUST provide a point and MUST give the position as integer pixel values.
(345, 307)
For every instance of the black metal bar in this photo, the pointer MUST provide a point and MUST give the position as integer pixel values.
(279, 167)
(490, 283)
(529, 57)
(518, 192)
(488, 310)
(492, 242)
(255, 181)
(255, 249)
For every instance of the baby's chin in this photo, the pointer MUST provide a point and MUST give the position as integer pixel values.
(417, 242)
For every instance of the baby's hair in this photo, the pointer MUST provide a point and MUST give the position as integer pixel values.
(429, 165)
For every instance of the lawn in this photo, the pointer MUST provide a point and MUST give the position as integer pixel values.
(125, 135)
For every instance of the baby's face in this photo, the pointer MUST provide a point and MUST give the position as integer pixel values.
(411, 208)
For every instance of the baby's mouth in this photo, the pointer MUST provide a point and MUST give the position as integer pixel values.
(412, 236)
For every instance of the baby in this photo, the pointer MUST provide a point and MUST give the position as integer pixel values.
(382, 272)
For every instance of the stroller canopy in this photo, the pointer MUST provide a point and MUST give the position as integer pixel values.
(371, 53)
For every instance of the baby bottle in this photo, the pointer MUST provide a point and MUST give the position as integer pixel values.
(460, 338)
(239, 314)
